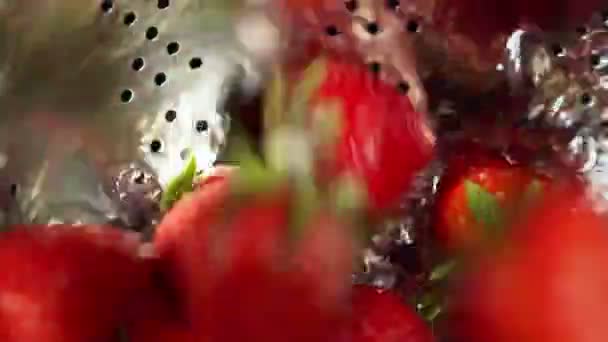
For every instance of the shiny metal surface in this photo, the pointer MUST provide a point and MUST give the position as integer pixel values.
(90, 88)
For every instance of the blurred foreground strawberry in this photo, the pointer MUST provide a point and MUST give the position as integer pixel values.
(254, 259)
(360, 127)
(546, 285)
(216, 174)
(158, 317)
(382, 316)
(67, 284)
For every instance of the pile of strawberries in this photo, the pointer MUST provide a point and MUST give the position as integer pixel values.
(266, 251)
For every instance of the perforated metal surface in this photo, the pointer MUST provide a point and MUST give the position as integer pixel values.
(93, 90)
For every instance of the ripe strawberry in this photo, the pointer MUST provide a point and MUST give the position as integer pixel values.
(479, 195)
(365, 128)
(367, 32)
(243, 273)
(67, 284)
(215, 174)
(158, 318)
(306, 5)
(382, 316)
(546, 285)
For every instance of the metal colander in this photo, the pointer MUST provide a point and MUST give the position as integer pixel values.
(103, 102)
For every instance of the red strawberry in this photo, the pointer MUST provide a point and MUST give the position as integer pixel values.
(158, 317)
(382, 316)
(67, 284)
(547, 285)
(369, 129)
(307, 5)
(243, 272)
(215, 174)
(478, 196)
(155, 325)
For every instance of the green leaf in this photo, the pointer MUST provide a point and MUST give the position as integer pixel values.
(306, 203)
(530, 197)
(311, 80)
(533, 192)
(430, 304)
(442, 271)
(180, 185)
(327, 123)
(432, 312)
(349, 194)
(274, 101)
(485, 207)
(253, 176)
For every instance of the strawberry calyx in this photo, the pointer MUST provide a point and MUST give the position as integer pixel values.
(290, 145)
(181, 184)
(431, 303)
(493, 216)
(285, 104)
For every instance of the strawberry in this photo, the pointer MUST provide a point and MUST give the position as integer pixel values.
(244, 273)
(305, 5)
(545, 285)
(361, 128)
(382, 316)
(67, 284)
(479, 195)
(157, 317)
(215, 174)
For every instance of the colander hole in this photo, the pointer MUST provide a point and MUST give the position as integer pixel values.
(332, 30)
(170, 115)
(372, 28)
(160, 79)
(412, 26)
(558, 50)
(403, 87)
(351, 5)
(162, 4)
(595, 60)
(156, 145)
(138, 64)
(196, 63)
(392, 4)
(151, 33)
(202, 126)
(582, 30)
(374, 67)
(173, 48)
(13, 190)
(130, 18)
(107, 6)
(126, 96)
(586, 99)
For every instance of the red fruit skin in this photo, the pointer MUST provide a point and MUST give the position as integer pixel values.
(381, 138)
(241, 275)
(215, 174)
(455, 224)
(67, 284)
(158, 317)
(545, 285)
(381, 316)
